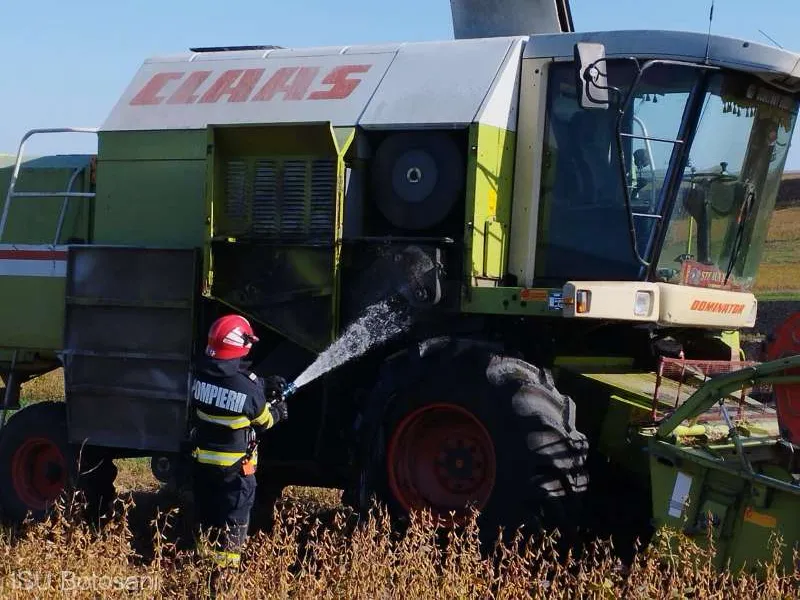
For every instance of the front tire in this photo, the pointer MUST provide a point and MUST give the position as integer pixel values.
(492, 432)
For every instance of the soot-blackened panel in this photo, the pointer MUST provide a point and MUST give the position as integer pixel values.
(287, 287)
(129, 329)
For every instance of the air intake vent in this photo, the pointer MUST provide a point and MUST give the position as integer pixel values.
(323, 196)
(293, 210)
(280, 199)
(265, 206)
(235, 189)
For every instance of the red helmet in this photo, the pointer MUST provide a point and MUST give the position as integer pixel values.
(230, 336)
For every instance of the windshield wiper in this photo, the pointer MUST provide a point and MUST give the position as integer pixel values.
(744, 214)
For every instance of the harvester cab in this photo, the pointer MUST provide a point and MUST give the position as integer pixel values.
(664, 172)
(576, 218)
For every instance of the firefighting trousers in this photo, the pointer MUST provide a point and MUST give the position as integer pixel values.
(223, 498)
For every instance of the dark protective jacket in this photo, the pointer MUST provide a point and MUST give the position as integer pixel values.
(229, 406)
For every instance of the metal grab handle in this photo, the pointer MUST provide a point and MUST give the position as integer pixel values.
(18, 163)
(649, 150)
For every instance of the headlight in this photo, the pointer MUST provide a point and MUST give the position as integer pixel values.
(643, 304)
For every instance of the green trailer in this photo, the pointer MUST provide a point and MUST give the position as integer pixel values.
(555, 214)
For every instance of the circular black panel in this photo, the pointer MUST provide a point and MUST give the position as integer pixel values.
(417, 177)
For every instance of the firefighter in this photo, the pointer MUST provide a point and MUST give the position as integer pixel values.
(231, 406)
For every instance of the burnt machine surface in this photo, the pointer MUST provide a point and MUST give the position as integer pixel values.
(129, 323)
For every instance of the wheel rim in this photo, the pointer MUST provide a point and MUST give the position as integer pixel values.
(441, 457)
(38, 472)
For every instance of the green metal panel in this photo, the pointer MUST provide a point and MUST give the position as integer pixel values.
(32, 307)
(32, 312)
(616, 401)
(511, 301)
(151, 203)
(685, 488)
(151, 189)
(152, 145)
(490, 184)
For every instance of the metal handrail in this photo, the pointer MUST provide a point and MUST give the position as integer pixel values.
(64, 204)
(649, 149)
(18, 163)
(717, 387)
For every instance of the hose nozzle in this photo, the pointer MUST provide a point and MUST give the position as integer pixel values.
(289, 390)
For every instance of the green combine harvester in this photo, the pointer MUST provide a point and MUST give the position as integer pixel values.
(574, 222)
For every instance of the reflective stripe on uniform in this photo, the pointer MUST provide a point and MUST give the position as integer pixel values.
(226, 559)
(265, 418)
(220, 557)
(213, 457)
(222, 459)
(239, 422)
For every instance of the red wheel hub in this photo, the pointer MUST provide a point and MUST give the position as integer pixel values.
(38, 472)
(441, 457)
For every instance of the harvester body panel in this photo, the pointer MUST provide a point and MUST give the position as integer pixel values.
(32, 256)
(421, 84)
(129, 330)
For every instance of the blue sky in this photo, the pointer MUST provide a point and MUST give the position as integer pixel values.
(66, 63)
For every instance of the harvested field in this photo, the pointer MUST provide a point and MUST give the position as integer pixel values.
(780, 265)
(328, 554)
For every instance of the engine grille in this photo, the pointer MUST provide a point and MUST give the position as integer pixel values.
(323, 193)
(266, 217)
(281, 199)
(236, 185)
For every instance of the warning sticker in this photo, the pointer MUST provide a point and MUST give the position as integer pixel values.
(761, 519)
(533, 295)
(555, 301)
(680, 495)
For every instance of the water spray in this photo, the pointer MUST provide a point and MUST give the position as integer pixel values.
(414, 275)
(379, 323)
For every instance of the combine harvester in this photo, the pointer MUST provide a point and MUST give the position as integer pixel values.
(577, 220)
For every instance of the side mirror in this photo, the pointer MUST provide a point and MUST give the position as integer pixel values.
(592, 75)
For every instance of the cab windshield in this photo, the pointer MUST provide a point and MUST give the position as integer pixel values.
(728, 186)
(715, 200)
